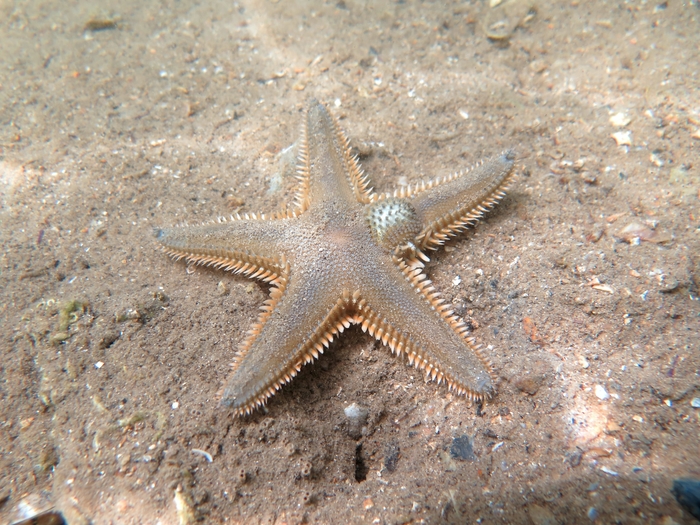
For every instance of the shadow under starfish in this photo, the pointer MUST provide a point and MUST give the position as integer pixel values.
(342, 255)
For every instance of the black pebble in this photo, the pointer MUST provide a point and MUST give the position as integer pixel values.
(687, 493)
(463, 448)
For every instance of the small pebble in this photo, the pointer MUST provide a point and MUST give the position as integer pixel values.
(527, 384)
(99, 365)
(463, 448)
(695, 402)
(687, 493)
(391, 457)
(620, 120)
(357, 417)
(623, 138)
(656, 160)
(601, 393)
(592, 514)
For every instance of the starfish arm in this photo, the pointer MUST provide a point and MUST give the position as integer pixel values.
(295, 325)
(446, 206)
(405, 312)
(248, 245)
(327, 169)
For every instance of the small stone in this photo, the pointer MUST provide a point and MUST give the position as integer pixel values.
(592, 514)
(463, 448)
(623, 138)
(656, 160)
(222, 288)
(612, 427)
(687, 493)
(601, 393)
(233, 201)
(48, 458)
(635, 232)
(99, 365)
(357, 417)
(620, 120)
(695, 402)
(529, 385)
(391, 458)
(575, 458)
(184, 506)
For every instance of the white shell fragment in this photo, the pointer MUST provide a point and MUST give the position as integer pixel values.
(620, 120)
(623, 138)
(601, 393)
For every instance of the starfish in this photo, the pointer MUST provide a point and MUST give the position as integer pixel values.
(343, 254)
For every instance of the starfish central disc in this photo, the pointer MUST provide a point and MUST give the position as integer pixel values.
(393, 222)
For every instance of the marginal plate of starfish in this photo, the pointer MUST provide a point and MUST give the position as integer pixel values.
(343, 254)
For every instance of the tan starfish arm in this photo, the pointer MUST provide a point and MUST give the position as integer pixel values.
(327, 169)
(447, 206)
(249, 245)
(406, 313)
(296, 323)
(442, 207)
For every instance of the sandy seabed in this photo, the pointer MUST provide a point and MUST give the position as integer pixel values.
(119, 117)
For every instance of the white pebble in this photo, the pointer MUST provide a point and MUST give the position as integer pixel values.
(601, 393)
(99, 365)
(623, 138)
(175, 405)
(620, 120)
(695, 402)
(355, 411)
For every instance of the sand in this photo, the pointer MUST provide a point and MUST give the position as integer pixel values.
(583, 284)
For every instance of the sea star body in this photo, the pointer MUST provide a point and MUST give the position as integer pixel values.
(345, 255)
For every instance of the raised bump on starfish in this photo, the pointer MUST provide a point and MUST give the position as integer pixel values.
(344, 255)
